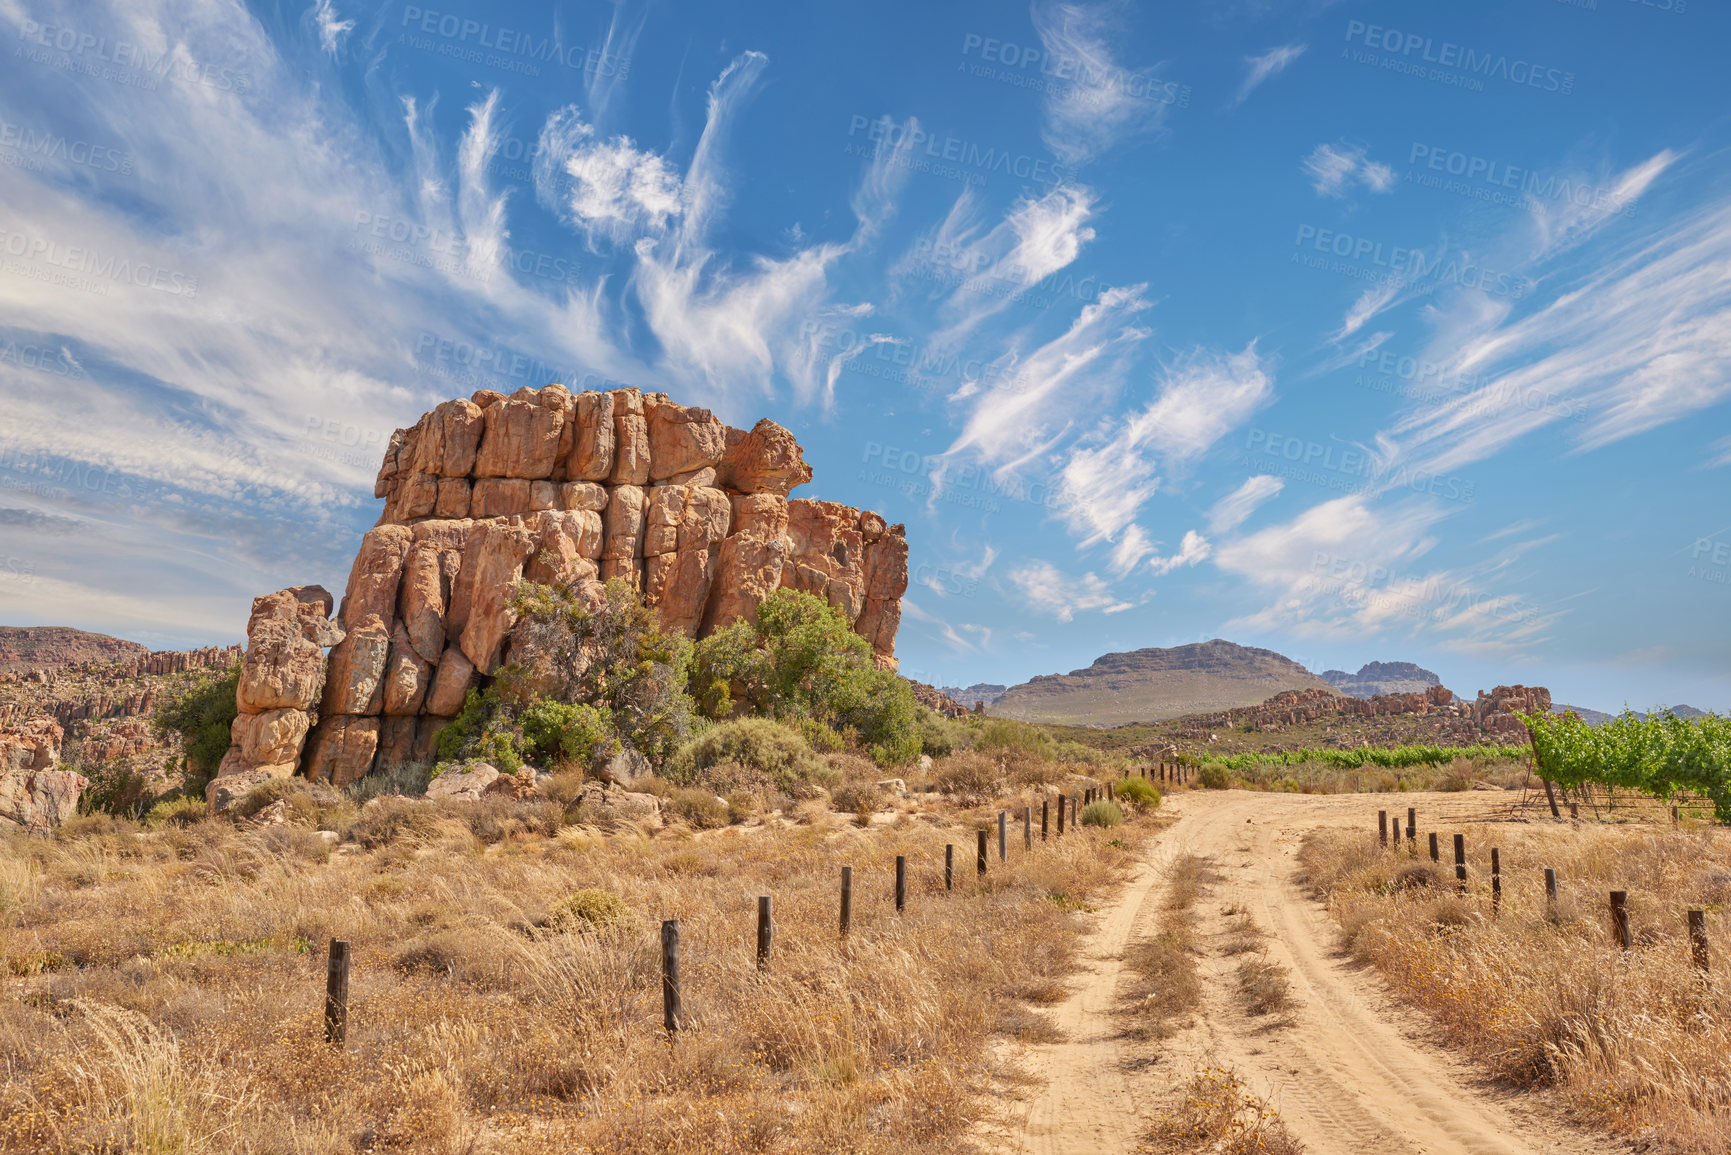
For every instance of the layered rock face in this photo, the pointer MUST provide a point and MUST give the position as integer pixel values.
(558, 489)
(33, 795)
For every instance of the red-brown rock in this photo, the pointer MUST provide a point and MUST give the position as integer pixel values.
(354, 681)
(682, 438)
(766, 460)
(521, 438)
(630, 439)
(341, 749)
(591, 455)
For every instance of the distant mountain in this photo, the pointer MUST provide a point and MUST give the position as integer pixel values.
(1382, 678)
(1155, 684)
(1599, 717)
(987, 692)
(51, 647)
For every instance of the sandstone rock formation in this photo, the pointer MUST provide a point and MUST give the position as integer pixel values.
(33, 794)
(554, 488)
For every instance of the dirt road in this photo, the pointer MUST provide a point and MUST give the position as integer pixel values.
(1351, 1071)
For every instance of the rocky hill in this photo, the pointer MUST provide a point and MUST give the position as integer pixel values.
(25, 648)
(1375, 678)
(1156, 684)
(553, 488)
(985, 692)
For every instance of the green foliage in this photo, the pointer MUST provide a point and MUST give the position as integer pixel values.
(1214, 776)
(199, 713)
(484, 730)
(117, 785)
(758, 744)
(181, 811)
(1389, 757)
(1005, 734)
(1660, 755)
(941, 736)
(1102, 813)
(614, 658)
(568, 732)
(1138, 790)
(801, 660)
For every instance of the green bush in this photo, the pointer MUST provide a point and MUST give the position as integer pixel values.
(862, 798)
(200, 712)
(941, 736)
(1102, 813)
(759, 744)
(573, 732)
(1005, 734)
(117, 786)
(1214, 776)
(1138, 790)
(799, 660)
(181, 811)
(699, 806)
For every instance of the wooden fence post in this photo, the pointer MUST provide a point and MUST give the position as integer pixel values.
(846, 898)
(1496, 882)
(1551, 796)
(1028, 827)
(1003, 839)
(901, 883)
(980, 862)
(949, 866)
(1060, 816)
(1111, 795)
(672, 1006)
(1434, 856)
(1676, 818)
(1574, 811)
(1045, 816)
(1382, 826)
(1411, 824)
(1620, 916)
(1698, 939)
(765, 931)
(1551, 885)
(337, 993)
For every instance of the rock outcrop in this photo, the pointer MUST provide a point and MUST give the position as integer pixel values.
(33, 794)
(558, 489)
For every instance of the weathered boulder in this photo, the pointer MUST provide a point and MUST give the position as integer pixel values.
(521, 437)
(284, 663)
(465, 785)
(421, 603)
(451, 681)
(32, 745)
(376, 573)
(500, 497)
(630, 439)
(612, 809)
(826, 555)
(341, 749)
(448, 439)
(270, 738)
(225, 790)
(397, 737)
(354, 682)
(591, 455)
(682, 439)
(407, 677)
(492, 564)
(766, 460)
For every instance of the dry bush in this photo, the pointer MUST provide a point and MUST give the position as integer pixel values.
(1219, 1114)
(1264, 986)
(1541, 994)
(165, 993)
(1166, 984)
(968, 774)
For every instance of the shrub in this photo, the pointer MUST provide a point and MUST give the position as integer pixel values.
(117, 786)
(567, 731)
(405, 778)
(698, 806)
(1005, 734)
(940, 736)
(177, 811)
(1138, 790)
(862, 798)
(588, 908)
(309, 803)
(775, 751)
(969, 773)
(1102, 813)
(200, 713)
(1214, 776)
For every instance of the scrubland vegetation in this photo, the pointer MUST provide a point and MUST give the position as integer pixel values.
(165, 978)
(1638, 1043)
(1371, 770)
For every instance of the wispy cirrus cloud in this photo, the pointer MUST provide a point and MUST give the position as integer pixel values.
(1265, 67)
(1335, 169)
(1045, 589)
(1235, 508)
(1088, 117)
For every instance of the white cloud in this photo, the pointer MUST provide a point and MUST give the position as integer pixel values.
(1194, 548)
(1047, 590)
(1105, 103)
(964, 637)
(1333, 169)
(1235, 508)
(609, 188)
(1270, 64)
(332, 32)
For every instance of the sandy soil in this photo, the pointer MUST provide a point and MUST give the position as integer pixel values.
(1349, 1068)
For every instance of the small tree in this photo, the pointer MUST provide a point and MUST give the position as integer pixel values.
(200, 713)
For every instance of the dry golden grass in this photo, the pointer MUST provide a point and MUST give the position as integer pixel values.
(1638, 1043)
(1219, 1114)
(164, 992)
(1165, 985)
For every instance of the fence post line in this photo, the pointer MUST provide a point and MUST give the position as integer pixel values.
(1620, 916)
(901, 883)
(1003, 838)
(1411, 823)
(1045, 816)
(1551, 884)
(1676, 818)
(1028, 827)
(846, 898)
(980, 861)
(1461, 863)
(337, 993)
(949, 866)
(1434, 855)
(672, 1006)
(1060, 816)
(765, 931)
(1698, 939)
(1382, 826)
(1111, 793)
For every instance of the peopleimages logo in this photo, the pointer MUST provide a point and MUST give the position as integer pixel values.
(1524, 185)
(1298, 459)
(1056, 72)
(1365, 258)
(885, 132)
(1452, 60)
(459, 31)
(90, 51)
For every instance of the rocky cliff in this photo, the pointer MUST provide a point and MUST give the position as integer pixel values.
(554, 488)
(25, 648)
(1382, 678)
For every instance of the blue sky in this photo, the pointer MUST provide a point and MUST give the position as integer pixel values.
(1354, 330)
